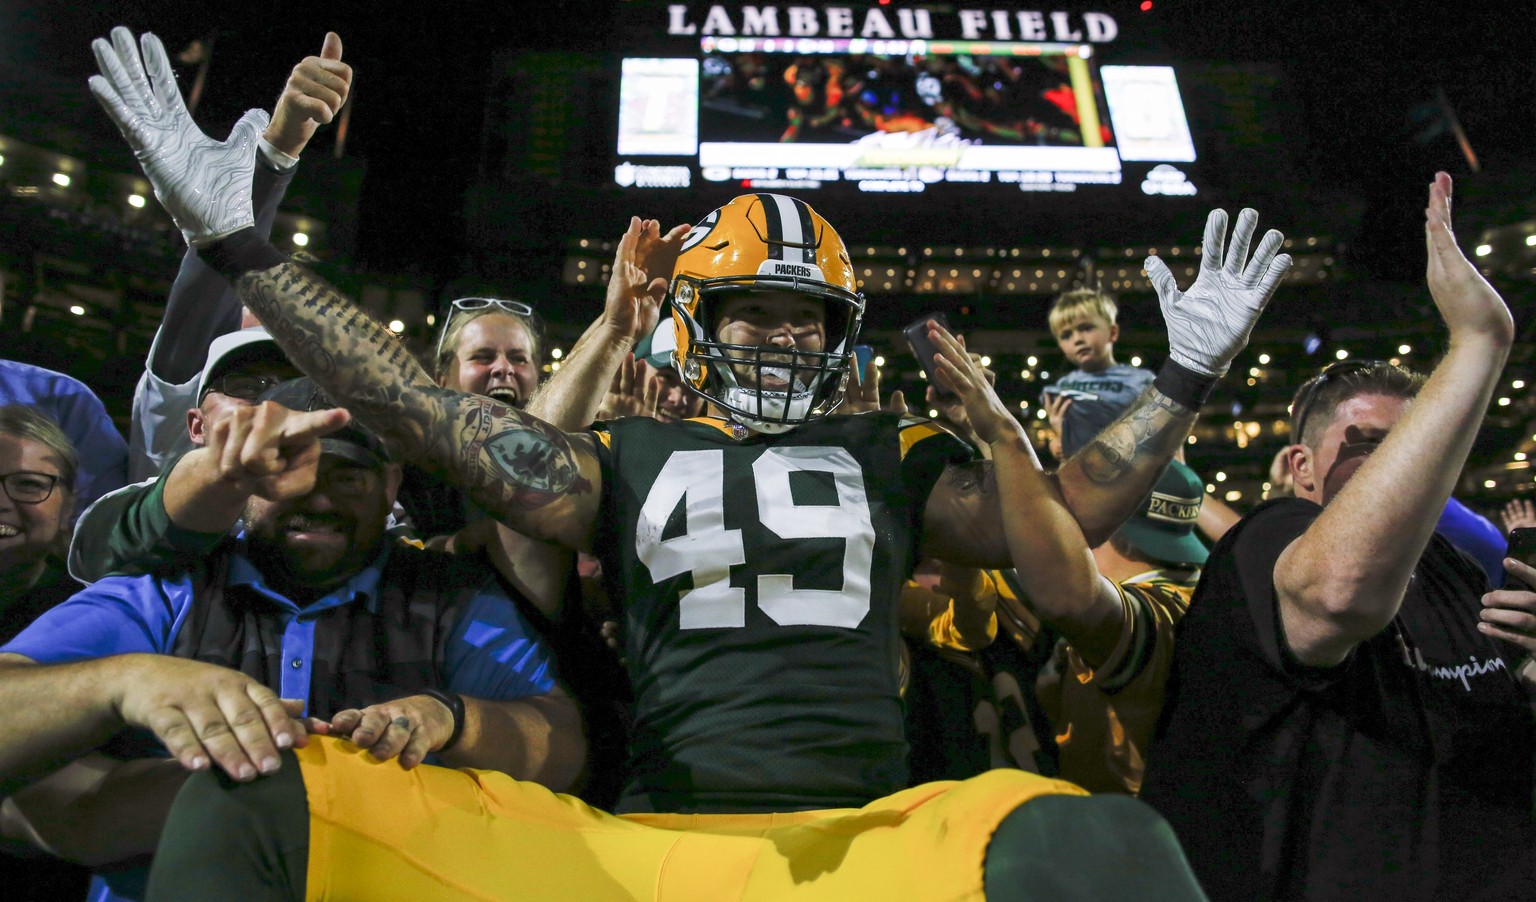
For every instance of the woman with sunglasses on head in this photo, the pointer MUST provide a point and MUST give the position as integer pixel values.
(491, 347)
(495, 347)
(487, 346)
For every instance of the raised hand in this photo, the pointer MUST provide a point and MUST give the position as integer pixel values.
(633, 393)
(270, 451)
(1510, 614)
(964, 375)
(204, 184)
(863, 395)
(1209, 323)
(314, 94)
(1467, 303)
(656, 253)
(633, 301)
(953, 407)
(1519, 514)
(206, 714)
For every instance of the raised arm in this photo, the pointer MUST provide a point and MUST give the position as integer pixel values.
(1104, 482)
(642, 263)
(1343, 580)
(530, 475)
(1043, 539)
(1208, 325)
(203, 304)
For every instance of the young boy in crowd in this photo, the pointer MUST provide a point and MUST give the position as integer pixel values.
(1098, 390)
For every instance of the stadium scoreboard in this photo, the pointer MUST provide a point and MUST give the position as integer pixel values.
(886, 100)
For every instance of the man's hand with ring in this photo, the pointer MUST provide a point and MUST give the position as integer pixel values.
(407, 728)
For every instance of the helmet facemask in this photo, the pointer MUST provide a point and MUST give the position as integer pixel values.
(731, 375)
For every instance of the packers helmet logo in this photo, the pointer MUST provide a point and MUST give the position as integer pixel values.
(701, 231)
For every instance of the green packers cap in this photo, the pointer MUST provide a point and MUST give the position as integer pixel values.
(658, 347)
(1164, 528)
(353, 442)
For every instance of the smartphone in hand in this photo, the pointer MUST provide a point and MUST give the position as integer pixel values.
(925, 349)
(1522, 547)
(862, 355)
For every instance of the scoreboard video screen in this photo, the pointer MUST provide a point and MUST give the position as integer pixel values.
(900, 116)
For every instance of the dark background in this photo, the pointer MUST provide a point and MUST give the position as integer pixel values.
(482, 138)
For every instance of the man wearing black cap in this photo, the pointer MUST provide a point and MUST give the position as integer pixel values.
(309, 615)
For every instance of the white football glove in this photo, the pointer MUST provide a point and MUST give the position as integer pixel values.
(205, 185)
(1209, 324)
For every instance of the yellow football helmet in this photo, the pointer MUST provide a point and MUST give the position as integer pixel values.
(764, 242)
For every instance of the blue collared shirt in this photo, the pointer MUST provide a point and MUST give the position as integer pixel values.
(493, 653)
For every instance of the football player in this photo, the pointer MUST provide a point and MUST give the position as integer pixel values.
(759, 555)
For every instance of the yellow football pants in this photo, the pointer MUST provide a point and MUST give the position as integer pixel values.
(433, 833)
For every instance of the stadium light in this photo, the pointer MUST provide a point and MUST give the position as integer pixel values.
(1484, 250)
(396, 326)
(77, 310)
(556, 353)
(136, 201)
(1263, 359)
(300, 239)
(61, 179)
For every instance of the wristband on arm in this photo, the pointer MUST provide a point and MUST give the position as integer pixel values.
(455, 704)
(242, 252)
(1183, 385)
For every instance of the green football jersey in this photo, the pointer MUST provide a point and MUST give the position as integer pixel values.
(759, 577)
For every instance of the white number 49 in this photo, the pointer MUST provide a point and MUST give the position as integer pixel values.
(708, 550)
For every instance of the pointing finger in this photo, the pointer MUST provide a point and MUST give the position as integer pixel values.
(314, 424)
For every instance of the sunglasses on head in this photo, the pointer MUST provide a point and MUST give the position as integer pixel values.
(516, 308)
(1331, 372)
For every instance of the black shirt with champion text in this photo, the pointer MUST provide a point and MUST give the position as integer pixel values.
(1403, 773)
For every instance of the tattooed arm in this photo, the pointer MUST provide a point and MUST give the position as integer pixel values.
(1108, 479)
(1101, 486)
(528, 474)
